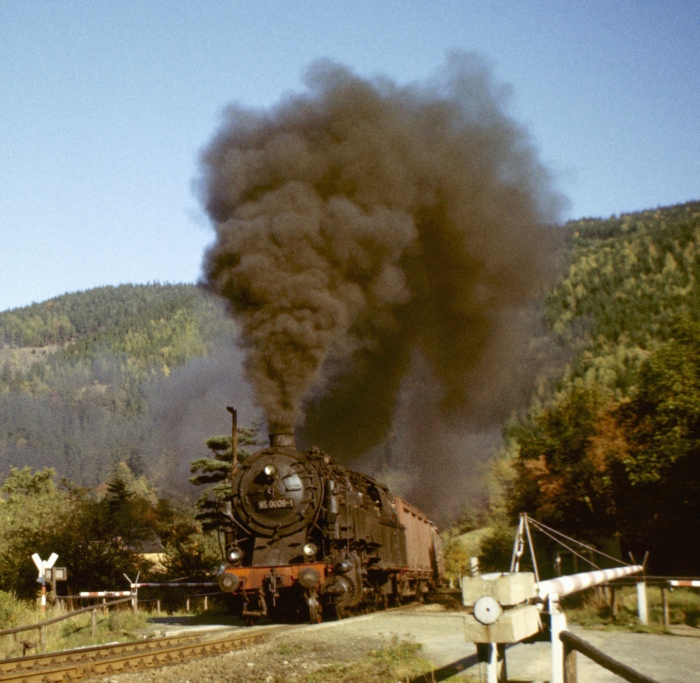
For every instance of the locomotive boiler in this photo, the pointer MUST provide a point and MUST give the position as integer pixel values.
(310, 539)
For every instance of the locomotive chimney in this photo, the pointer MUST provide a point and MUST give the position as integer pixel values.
(283, 438)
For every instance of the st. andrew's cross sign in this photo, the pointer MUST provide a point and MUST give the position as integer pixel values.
(42, 566)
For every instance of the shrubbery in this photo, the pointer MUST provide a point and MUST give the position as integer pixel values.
(97, 536)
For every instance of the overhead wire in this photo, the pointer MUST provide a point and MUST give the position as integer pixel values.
(544, 529)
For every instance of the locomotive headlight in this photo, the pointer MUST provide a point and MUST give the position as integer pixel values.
(270, 471)
(310, 549)
(309, 577)
(228, 582)
(235, 554)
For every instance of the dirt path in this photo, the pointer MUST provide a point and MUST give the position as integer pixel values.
(667, 658)
(294, 656)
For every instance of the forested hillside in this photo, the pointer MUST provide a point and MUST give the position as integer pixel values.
(78, 372)
(629, 280)
(608, 449)
(612, 447)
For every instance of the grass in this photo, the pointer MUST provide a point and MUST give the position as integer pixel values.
(115, 626)
(395, 662)
(592, 608)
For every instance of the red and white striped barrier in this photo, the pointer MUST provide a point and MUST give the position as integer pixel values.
(684, 584)
(106, 594)
(207, 584)
(565, 585)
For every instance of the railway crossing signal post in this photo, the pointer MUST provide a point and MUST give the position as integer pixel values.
(511, 607)
(42, 566)
(134, 592)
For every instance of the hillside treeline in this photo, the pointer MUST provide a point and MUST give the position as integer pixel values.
(610, 450)
(78, 375)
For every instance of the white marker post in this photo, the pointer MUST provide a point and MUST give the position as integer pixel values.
(42, 566)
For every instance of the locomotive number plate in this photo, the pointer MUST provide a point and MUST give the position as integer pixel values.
(275, 504)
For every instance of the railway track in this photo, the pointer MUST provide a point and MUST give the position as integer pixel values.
(75, 665)
(116, 658)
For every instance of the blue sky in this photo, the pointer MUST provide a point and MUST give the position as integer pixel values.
(105, 106)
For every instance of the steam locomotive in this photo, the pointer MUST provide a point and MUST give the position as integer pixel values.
(309, 539)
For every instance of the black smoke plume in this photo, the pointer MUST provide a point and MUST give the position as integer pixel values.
(364, 229)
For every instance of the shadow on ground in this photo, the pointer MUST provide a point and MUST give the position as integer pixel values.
(447, 671)
(203, 619)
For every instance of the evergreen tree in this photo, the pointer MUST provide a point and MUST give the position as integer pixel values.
(215, 472)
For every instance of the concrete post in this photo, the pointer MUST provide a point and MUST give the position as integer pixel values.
(642, 603)
(557, 625)
(664, 606)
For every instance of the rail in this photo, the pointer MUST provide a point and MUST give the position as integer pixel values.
(41, 626)
(111, 659)
(573, 644)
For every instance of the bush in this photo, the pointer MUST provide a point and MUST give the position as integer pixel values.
(12, 610)
(592, 607)
(124, 621)
(497, 550)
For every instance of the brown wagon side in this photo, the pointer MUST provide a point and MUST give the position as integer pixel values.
(423, 543)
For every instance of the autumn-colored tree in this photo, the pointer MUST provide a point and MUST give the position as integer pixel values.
(566, 454)
(596, 468)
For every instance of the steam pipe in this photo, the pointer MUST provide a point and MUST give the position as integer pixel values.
(565, 585)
